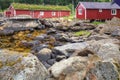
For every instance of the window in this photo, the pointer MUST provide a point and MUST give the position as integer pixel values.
(80, 11)
(53, 13)
(41, 13)
(113, 12)
(100, 10)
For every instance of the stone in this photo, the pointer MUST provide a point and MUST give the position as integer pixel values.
(97, 37)
(29, 44)
(62, 37)
(116, 33)
(38, 47)
(44, 54)
(73, 46)
(51, 61)
(102, 71)
(47, 23)
(6, 32)
(107, 49)
(46, 64)
(68, 67)
(41, 37)
(21, 66)
(84, 53)
(51, 31)
(60, 57)
(82, 26)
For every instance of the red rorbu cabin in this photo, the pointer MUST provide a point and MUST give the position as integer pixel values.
(97, 10)
(37, 11)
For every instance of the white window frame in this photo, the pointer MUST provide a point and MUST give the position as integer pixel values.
(100, 10)
(113, 12)
(41, 13)
(53, 13)
(80, 11)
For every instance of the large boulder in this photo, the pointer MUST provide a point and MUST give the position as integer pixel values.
(73, 68)
(107, 49)
(20, 66)
(70, 46)
(102, 71)
(109, 26)
(84, 68)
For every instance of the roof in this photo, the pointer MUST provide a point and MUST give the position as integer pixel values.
(100, 5)
(38, 7)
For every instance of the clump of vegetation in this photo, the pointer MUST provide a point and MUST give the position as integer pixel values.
(82, 33)
(1, 64)
(39, 7)
(97, 22)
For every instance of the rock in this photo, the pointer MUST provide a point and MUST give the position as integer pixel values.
(109, 26)
(58, 43)
(67, 67)
(20, 66)
(40, 27)
(46, 64)
(6, 32)
(62, 37)
(62, 27)
(29, 44)
(82, 26)
(97, 37)
(51, 31)
(60, 57)
(83, 53)
(32, 24)
(41, 37)
(116, 33)
(76, 39)
(47, 23)
(73, 46)
(51, 61)
(38, 47)
(102, 71)
(107, 49)
(44, 54)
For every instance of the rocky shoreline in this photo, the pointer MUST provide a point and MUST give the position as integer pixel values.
(59, 50)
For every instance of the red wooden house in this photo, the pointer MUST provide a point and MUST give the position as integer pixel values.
(97, 10)
(37, 11)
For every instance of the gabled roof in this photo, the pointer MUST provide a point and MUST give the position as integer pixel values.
(38, 7)
(100, 5)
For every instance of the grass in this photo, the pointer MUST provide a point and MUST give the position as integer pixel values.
(39, 7)
(97, 22)
(71, 17)
(82, 33)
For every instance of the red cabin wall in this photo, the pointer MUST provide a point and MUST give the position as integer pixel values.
(10, 12)
(23, 12)
(80, 6)
(105, 14)
(36, 13)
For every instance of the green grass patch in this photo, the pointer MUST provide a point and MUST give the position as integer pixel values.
(39, 7)
(97, 22)
(82, 33)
